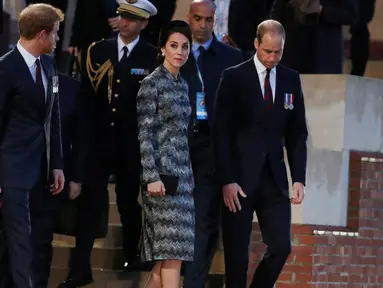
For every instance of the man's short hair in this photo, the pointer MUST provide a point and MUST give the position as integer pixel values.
(38, 17)
(272, 27)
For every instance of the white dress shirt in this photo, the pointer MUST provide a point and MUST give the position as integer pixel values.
(30, 60)
(261, 69)
(121, 46)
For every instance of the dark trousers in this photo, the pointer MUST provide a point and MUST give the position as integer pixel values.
(43, 206)
(207, 209)
(15, 210)
(92, 205)
(274, 216)
(360, 38)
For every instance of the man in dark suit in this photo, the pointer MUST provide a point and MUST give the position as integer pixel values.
(259, 104)
(43, 216)
(30, 136)
(109, 143)
(203, 70)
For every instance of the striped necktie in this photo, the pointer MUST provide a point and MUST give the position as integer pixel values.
(268, 97)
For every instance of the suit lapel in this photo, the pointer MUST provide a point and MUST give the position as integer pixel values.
(278, 101)
(49, 97)
(25, 73)
(254, 83)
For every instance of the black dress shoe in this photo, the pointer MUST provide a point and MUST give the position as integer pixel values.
(78, 281)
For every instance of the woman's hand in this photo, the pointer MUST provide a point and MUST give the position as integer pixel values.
(156, 189)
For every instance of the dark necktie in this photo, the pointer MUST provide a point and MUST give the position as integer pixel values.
(125, 55)
(39, 80)
(268, 97)
(201, 50)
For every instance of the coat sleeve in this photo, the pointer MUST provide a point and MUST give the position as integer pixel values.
(296, 137)
(223, 127)
(5, 90)
(342, 12)
(147, 127)
(84, 130)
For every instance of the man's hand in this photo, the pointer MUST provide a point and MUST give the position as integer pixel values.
(298, 193)
(58, 181)
(113, 23)
(73, 51)
(230, 196)
(74, 190)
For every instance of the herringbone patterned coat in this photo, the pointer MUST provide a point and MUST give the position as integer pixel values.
(163, 115)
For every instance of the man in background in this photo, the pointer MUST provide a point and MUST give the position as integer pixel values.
(207, 60)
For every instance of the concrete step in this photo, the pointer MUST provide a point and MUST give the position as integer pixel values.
(110, 259)
(113, 259)
(374, 68)
(112, 240)
(104, 279)
(113, 279)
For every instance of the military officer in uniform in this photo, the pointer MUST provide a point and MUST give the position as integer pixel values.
(108, 135)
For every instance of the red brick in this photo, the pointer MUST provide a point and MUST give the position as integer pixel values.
(286, 276)
(298, 268)
(291, 258)
(303, 249)
(302, 277)
(293, 285)
(353, 224)
(353, 212)
(305, 239)
(354, 183)
(258, 247)
(303, 258)
(302, 229)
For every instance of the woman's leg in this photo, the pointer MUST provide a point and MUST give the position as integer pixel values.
(154, 280)
(171, 273)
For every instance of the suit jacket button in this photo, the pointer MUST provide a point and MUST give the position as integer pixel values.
(112, 124)
(115, 95)
(114, 109)
(118, 80)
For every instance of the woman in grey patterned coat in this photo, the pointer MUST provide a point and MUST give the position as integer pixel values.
(163, 116)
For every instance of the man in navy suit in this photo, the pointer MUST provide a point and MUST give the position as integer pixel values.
(259, 104)
(30, 140)
(203, 70)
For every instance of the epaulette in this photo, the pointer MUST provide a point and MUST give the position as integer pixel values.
(96, 74)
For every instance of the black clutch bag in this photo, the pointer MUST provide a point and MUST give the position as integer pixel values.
(170, 183)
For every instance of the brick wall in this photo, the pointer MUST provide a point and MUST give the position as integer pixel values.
(337, 257)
